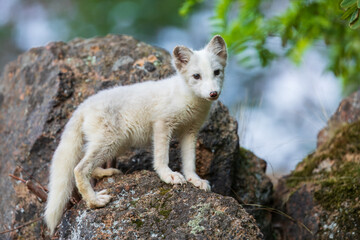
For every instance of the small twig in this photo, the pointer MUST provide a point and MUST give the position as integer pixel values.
(24, 225)
(17, 178)
(38, 191)
(29, 176)
(273, 210)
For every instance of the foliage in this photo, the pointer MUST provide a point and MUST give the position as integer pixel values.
(139, 18)
(251, 29)
(188, 6)
(67, 19)
(352, 12)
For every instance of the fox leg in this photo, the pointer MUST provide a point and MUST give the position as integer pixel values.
(162, 135)
(188, 152)
(99, 172)
(94, 156)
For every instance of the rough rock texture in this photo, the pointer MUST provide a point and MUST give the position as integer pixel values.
(347, 112)
(143, 207)
(253, 189)
(40, 90)
(323, 192)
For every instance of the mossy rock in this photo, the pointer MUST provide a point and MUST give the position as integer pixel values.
(325, 187)
(338, 157)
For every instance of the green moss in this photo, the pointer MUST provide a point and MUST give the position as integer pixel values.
(341, 185)
(164, 191)
(165, 213)
(138, 223)
(244, 155)
(161, 203)
(345, 141)
(310, 163)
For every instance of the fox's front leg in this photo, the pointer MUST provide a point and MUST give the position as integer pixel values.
(188, 147)
(162, 136)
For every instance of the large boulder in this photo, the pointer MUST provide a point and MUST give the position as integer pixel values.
(144, 207)
(321, 196)
(40, 90)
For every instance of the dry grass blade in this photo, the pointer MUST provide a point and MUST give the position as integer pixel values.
(274, 210)
(21, 226)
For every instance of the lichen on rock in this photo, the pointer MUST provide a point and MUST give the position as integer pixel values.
(153, 209)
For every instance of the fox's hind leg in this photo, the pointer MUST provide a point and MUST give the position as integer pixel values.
(99, 172)
(95, 155)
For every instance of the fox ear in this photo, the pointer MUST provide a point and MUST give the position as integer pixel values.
(182, 56)
(217, 46)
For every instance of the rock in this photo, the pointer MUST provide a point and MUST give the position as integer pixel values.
(40, 90)
(322, 194)
(253, 189)
(143, 207)
(347, 112)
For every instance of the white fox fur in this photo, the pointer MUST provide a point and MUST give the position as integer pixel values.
(114, 120)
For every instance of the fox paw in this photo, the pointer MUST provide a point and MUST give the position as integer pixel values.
(200, 183)
(173, 178)
(99, 173)
(102, 198)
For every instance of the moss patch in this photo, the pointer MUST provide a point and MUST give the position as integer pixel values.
(138, 223)
(342, 185)
(244, 155)
(164, 191)
(165, 213)
(340, 193)
(161, 205)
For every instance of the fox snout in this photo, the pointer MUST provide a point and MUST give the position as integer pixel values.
(214, 94)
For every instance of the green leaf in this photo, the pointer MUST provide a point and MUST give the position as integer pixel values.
(349, 12)
(347, 3)
(358, 3)
(354, 16)
(355, 24)
(188, 6)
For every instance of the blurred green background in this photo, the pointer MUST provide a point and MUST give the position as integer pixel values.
(29, 23)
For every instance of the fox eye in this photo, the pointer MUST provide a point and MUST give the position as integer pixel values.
(217, 72)
(196, 76)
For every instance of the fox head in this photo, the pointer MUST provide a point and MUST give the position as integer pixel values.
(203, 70)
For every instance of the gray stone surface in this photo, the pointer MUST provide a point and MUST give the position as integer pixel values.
(143, 207)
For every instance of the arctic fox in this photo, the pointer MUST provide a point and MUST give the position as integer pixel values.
(113, 120)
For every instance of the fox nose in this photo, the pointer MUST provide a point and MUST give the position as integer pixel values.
(213, 94)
